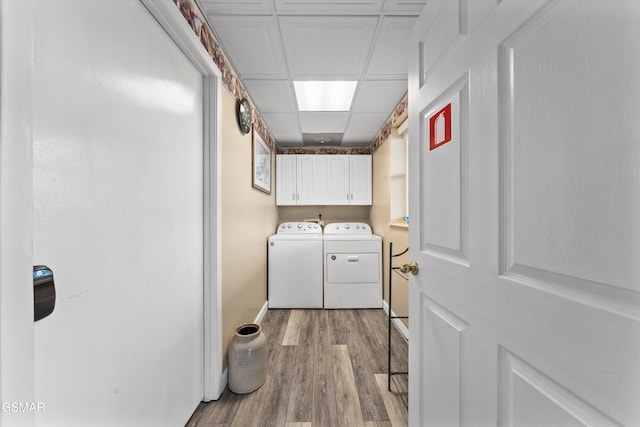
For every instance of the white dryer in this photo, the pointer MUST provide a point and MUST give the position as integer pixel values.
(352, 266)
(295, 266)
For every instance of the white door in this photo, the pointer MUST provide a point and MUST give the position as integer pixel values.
(525, 213)
(286, 181)
(118, 216)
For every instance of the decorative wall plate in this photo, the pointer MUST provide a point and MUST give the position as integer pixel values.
(243, 111)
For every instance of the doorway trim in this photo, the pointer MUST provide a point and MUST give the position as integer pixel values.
(169, 17)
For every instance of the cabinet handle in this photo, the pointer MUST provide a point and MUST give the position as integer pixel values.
(293, 196)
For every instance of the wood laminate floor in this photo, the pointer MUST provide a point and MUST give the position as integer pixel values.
(325, 368)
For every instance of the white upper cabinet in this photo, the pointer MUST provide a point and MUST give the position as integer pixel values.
(338, 180)
(301, 180)
(308, 179)
(311, 179)
(360, 180)
(286, 185)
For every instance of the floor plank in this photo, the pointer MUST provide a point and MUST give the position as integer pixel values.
(371, 403)
(292, 333)
(251, 405)
(225, 410)
(395, 407)
(347, 400)
(274, 410)
(324, 401)
(322, 343)
(301, 396)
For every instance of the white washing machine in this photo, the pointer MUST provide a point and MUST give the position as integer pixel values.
(295, 266)
(352, 266)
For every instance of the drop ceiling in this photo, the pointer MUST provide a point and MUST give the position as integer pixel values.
(273, 42)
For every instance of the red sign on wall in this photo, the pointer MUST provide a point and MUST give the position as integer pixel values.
(440, 128)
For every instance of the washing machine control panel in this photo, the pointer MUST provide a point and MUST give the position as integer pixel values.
(347, 228)
(299, 228)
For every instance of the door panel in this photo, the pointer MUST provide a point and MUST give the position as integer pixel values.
(446, 197)
(118, 216)
(546, 149)
(444, 374)
(526, 217)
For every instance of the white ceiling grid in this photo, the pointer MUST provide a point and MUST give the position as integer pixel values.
(273, 42)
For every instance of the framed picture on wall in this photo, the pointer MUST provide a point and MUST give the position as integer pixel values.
(261, 164)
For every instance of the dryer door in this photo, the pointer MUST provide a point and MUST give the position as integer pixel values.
(353, 267)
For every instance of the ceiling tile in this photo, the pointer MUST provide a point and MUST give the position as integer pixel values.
(253, 44)
(327, 47)
(281, 122)
(231, 7)
(365, 122)
(271, 96)
(404, 6)
(327, 6)
(389, 58)
(378, 96)
(288, 139)
(322, 122)
(357, 139)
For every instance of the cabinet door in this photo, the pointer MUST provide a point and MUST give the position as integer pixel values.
(319, 180)
(360, 180)
(306, 179)
(338, 191)
(286, 183)
(312, 179)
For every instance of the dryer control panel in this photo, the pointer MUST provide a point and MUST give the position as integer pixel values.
(347, 228)
(299, 228)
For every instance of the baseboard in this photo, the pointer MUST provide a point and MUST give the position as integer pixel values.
(398, 323)
(224, 379)
(262, 313)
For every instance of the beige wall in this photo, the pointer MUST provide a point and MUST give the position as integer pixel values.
(249, 216)
(329, 213)
(379, 220)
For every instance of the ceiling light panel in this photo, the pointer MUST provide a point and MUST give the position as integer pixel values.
(324, 95)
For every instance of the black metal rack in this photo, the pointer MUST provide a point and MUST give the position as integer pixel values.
(392, 270)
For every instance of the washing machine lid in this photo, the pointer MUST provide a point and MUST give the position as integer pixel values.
(347, 229)
(299, 228)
